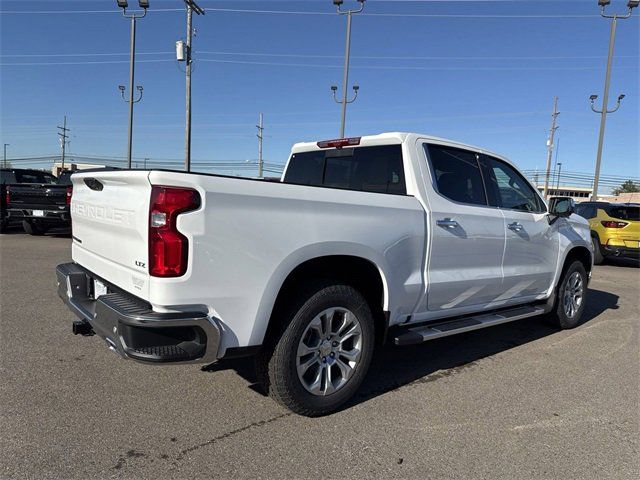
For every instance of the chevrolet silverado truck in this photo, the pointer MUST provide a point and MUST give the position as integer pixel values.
(397, 237)
(37, 200)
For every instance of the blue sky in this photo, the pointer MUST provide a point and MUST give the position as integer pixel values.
(482, 72)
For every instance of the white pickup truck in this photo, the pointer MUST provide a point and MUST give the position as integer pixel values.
(396, 237)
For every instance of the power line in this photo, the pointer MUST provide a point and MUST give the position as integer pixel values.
(312, 65)
(311, 13)
(307, 55)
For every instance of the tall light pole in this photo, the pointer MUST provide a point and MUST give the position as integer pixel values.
(124, 4)
(347, 53)
(191, 7)
(631, 4)
(558, 178)
(4, 164)
(550, 145)
(260, 138)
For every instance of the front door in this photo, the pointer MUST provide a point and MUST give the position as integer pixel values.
(532, 243)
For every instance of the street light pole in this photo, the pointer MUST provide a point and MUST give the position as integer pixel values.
(4, 164)
(607, 80)
(347, 54)
(552, 132)
(558, 178)
(191, 7)
(144, 4)
(260, 138)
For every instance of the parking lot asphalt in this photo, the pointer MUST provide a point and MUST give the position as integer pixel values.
(521, 400)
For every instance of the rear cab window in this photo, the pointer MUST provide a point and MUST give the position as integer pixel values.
(35, 177)
(375, 169)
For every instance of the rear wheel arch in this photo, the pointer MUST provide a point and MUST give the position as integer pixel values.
(357, 272)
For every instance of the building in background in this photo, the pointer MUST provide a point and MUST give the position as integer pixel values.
(57, 167)
(579, 194)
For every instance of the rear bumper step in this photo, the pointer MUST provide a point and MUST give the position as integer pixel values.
(131, 328)
(423, 333)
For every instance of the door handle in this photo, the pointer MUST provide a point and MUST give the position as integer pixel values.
(447, 223)
(515, 226)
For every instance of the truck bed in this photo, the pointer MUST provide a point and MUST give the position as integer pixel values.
(244, 239)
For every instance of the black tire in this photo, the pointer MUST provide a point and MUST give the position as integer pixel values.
(598, 257)
(3, 226)
(277, 365)
(558, 315)
(33, 229)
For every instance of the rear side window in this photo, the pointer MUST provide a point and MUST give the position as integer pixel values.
(586, 211)
(457, 174)
(367, 169)
(623, 212)
(7, 177)
(508, 189)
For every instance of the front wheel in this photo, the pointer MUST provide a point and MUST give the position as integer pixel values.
(321, 358)
(571, 297)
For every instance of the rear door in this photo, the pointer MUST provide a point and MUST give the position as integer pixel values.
(110, 218)
(465, 258)
(532, 244)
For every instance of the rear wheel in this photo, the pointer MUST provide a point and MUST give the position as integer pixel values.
(598, 257)
(321, 358)
(571, 297)
(33, 229)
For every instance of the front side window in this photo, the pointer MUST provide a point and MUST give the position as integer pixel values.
(508, 189)
(457, 174)
(368, 169)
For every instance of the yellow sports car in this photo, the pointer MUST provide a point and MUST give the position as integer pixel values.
(615, 228)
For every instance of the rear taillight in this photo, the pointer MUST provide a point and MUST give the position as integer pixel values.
(168, 248)
(613, 224)
(69, 193)
(7, 196)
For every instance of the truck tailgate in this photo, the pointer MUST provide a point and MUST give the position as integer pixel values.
(110, 217)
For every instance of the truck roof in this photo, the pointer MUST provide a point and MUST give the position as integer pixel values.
(397, 138)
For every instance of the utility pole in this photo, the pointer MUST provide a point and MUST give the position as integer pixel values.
(4, 164)
(144, 4)
(260, 137)
(63, 138)
(345, 75)
(558, 178)
(607, 80)
(552, 133)
(191, 7)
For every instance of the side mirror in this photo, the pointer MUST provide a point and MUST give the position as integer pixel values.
(561, 206)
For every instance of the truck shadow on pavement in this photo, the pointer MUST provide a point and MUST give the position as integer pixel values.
(399, 367)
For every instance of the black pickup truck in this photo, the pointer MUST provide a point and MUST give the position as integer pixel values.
(36, 199)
